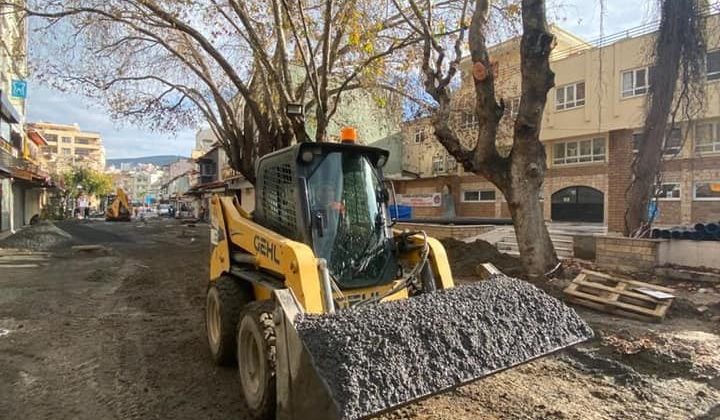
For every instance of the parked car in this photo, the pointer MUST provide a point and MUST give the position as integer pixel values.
(163, 209)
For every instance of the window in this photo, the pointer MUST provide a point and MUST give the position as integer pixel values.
(707, 137)
(67, 139)
(668, 191)
(672, 146)
(420, 135)
(469, 119)
(673, 142)
(570, 96)
(707, 190)
(581, 151)
(51, 138)
(451, 163)
(478, 196)
(66, 151)
(713, 65)
(83, 140)
(512, 107)
(438, 164)
(636, 82)
(82, 152)
(636, 139)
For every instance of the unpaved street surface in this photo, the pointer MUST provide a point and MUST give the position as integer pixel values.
(118, 333)
(118, 336)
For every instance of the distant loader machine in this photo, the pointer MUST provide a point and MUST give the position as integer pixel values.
(119, 208)
(318, 250)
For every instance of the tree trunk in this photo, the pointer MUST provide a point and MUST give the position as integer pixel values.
(537, 253)
(679, 44)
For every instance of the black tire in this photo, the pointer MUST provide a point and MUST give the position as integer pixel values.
(257, 359)
(226, 297)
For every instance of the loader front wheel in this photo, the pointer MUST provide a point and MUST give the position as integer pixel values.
(226, 297)
(256, 358)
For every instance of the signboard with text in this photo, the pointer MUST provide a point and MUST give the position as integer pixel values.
(420, 199)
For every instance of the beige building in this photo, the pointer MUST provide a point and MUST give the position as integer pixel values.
(24, 183)
(69, 147)
(590, 122)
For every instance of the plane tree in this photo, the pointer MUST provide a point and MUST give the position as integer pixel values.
(518, 174)
(234, 64)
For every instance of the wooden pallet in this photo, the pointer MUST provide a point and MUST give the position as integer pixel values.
(617, 295)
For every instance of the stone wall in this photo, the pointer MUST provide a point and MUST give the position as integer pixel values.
(616, 253)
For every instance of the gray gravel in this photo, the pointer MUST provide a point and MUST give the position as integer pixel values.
(44, 236)
(384, 355)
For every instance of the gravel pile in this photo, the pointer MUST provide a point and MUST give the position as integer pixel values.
(44, 236)
(384, 355)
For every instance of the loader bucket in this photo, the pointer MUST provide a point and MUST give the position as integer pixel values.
(362, 362)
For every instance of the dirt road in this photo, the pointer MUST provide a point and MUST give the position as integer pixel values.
(121, 336)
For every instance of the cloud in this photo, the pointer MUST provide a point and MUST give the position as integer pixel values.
(120, 140)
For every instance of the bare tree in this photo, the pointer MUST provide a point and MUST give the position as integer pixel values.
(519, 175)
(235, 64)
(679, 61)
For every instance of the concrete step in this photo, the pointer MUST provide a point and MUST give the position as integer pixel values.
(513, 247)
(558, 241)
(517, 254)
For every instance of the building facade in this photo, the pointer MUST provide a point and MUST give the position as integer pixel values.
(24, 183)
(591, 123)
(70, 147)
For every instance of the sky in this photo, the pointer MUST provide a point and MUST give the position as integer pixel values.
(581, 17)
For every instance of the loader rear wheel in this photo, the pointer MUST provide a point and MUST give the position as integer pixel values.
(256, 358)
(226, 298)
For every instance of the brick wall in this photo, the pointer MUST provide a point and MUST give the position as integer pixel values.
(706, 211)
(620, 159)
(669, 213)
(475, 209)
(446, 231)
(626, 254)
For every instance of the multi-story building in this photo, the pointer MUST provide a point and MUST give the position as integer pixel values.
(69, 147)
(592, 118)
(23, 180)
(205, 139)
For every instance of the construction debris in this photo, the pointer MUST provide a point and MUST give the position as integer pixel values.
(619, 295)
(383, 355)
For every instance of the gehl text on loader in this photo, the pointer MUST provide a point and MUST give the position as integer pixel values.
(330, 313)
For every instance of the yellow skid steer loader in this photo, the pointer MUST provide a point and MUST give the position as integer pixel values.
(330, 313)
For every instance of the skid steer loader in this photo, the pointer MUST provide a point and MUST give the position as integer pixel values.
(118, 207)
(316, 256)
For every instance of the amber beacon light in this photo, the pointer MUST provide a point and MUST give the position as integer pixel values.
(348, 135)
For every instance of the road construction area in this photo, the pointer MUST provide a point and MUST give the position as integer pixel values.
(113, 329)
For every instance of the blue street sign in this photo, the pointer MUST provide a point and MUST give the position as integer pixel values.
(19, 89)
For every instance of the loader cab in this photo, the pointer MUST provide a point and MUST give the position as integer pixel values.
(331, 197)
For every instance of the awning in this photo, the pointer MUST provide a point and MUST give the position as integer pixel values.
(7, 110)
(215, 186)
(238, 182)
(36, 137)
(22, 174)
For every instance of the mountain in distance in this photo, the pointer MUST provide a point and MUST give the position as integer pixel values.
(160, 160)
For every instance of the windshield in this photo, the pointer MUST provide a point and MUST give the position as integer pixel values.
(348, 225)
